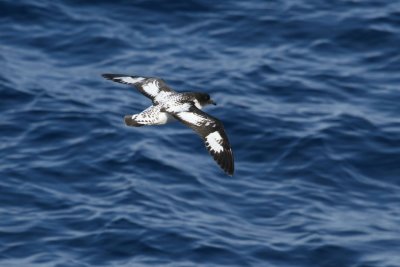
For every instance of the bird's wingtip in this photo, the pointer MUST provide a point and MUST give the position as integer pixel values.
(108, 75)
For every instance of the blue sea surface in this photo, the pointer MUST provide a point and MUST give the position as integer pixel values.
(309, 94)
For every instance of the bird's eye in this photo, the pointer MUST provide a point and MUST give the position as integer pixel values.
(207, 97)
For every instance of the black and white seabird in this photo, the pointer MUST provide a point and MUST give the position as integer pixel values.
(185, 107)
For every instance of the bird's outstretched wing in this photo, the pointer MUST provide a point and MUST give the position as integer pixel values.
(212, 132)
(151, 87)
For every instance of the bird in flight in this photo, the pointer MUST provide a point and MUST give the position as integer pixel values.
(169, 105)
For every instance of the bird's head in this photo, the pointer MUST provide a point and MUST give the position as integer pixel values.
(204, 99)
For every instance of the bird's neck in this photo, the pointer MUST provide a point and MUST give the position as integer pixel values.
(197, 104)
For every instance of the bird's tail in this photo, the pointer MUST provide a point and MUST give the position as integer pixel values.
(130, 120)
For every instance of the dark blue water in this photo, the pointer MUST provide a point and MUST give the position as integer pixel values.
(309, 94)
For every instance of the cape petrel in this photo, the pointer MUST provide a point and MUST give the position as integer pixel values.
(185, 107)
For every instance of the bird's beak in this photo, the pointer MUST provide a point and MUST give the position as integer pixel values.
(212, 102)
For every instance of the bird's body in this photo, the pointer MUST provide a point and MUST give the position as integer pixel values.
(169, 105)
(157, 113)
(150, 116)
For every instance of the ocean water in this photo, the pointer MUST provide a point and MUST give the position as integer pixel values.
(309, 94)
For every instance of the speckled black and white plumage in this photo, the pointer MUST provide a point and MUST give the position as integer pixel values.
(169, 105)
